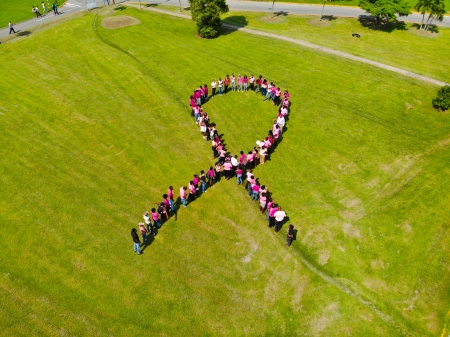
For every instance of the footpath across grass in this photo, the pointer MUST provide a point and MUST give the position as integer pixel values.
(361, 171)
(20, 10)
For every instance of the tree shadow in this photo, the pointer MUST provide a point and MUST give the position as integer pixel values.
(120, 8)
(329, 18)
(431, 28)
(187, 8)
(388, 27)
(233, 23)
(23, 33)
(151, 5)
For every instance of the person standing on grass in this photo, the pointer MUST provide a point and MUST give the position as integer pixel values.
(245, 82)
(155, 218)
(136, 241)
(191, 189)
(250, 160)
(262, 155)
(205, 92)
(255, 191)
(252, 82)
(203, 180)
(226, 83)
(279, 218)
(11, 28)
(210, 175)
(162, 211)
(290, 235)
(170, 195)
(239, 172)
(218, 171)
(258, 83)
(148, 222)
(143, 232)
(220, 85)
(183, 195)
(196, 181)
(233, 82)
(213, 88)
(262, 202)
(166, 203)
(235, 163)
(240, 81)
(227, 167)
(44, 9)
(272, 212)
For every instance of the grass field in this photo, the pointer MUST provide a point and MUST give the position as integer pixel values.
(91, 140)
(402, 45)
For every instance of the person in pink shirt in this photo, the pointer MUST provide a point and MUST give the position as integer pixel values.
(276, 133)
(202, 95)
(226, 83)
(205, 92)
(243, 159)
(183, 195)
(210, 175)
(214, 146)
(262, 202)
(255, 156)
(272, 211)
(196, 181)
(222, 154)
(255, 191)
(166, 204)
(227, 167)
(258, 83)
(277, 99)
(269, 206)
(240, 81)
(155, 217)
(171, 201)
(245, 82)
(248, 174)
(239, 172)
(250, 159)
(191, 188)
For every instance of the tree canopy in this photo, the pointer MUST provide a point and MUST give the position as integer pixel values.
(206, 14)
(385, 10)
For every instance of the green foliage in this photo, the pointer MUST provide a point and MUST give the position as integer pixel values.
(385, 10)
(442, 101)
(206, 14)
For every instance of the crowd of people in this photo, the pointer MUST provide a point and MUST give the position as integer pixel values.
(226, 165)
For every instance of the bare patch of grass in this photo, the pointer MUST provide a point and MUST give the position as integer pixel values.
(119, 21)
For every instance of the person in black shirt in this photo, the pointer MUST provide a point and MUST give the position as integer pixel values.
(290, 235)
(136, 241)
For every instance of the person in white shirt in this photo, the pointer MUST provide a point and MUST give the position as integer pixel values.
(11, 28)
(213, 87)
(281, 122)
(235, 163)
(279, 218)
(44, 9)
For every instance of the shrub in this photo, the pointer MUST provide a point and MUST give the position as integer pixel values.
(206, 14)
(442, 101)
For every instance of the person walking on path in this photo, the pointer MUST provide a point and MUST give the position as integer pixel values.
(143, 232)
(136, 241)
(11, 28)
(55, 9)
(290, 235)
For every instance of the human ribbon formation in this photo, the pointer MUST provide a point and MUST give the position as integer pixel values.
(228, 166)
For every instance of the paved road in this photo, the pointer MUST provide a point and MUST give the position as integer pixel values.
(73, 6)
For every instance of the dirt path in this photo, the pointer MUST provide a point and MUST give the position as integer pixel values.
(313, 46)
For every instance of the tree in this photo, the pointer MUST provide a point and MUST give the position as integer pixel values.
(385, 10)
(423, 6)
(206, 14)
(442, 101)
(323, 7)
(437, 11)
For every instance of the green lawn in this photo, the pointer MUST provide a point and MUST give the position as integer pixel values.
(402, 45)
(20, 10)
(91, 140)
